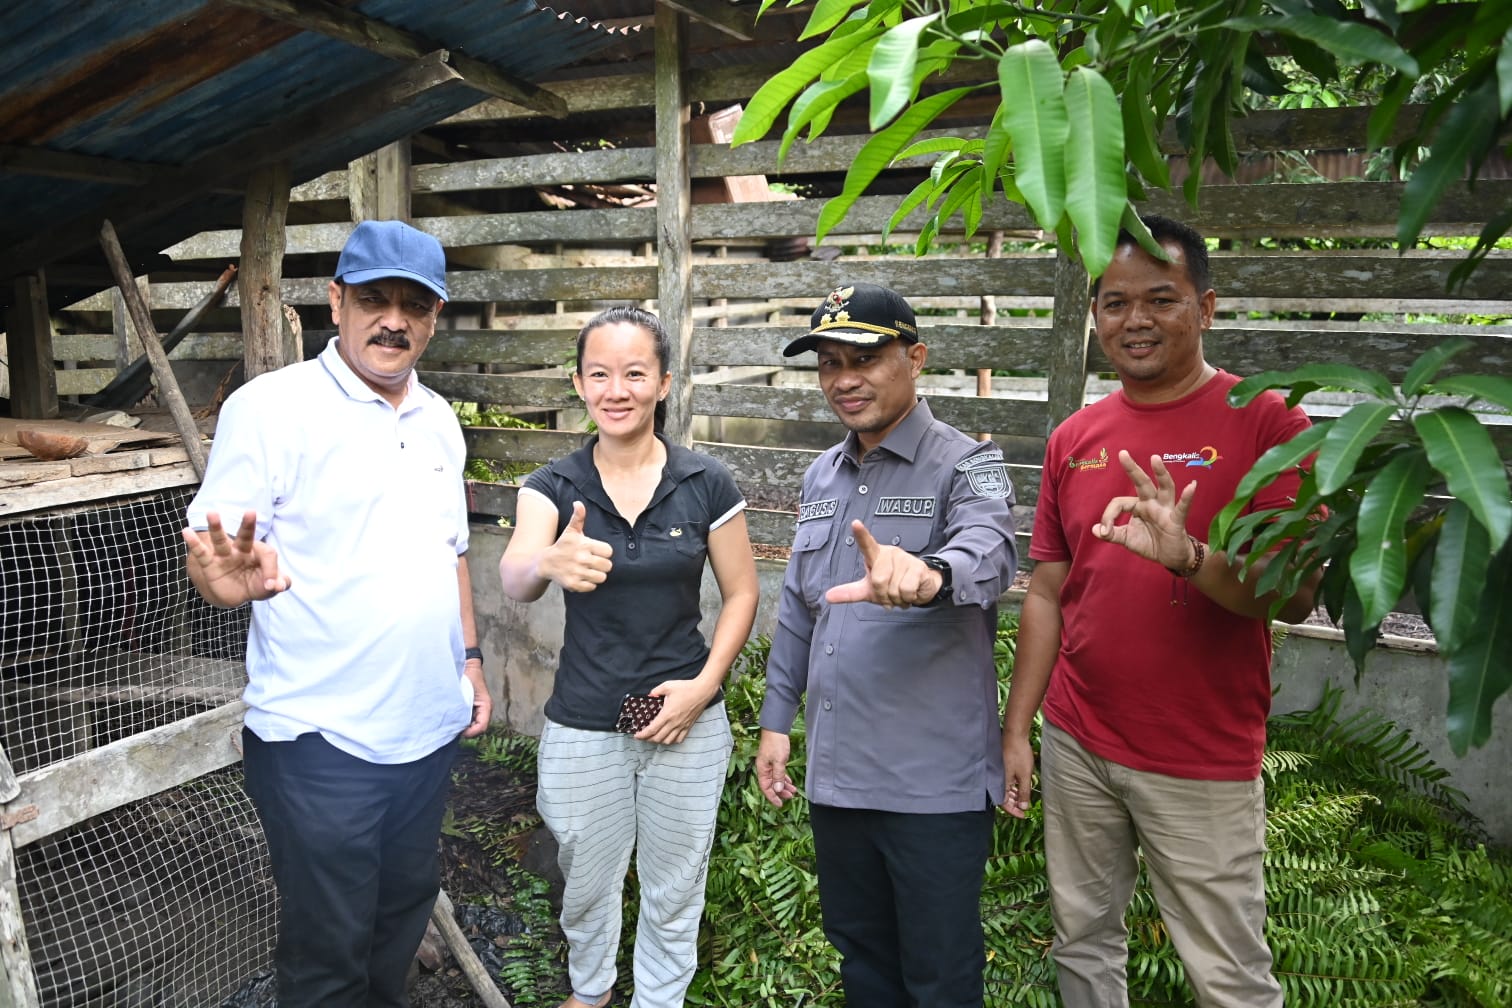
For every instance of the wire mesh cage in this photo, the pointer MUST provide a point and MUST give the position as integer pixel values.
(164, 900)
(168, 901)
(101, 634)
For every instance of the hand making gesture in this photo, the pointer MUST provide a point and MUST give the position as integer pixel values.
(229, 572)
(1156, 529)
(574, 561)
(894, 577)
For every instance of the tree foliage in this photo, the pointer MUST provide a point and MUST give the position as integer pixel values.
(1417, 499)
(1086, 88)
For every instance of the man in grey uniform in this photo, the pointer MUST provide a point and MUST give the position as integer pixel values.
(887, 620)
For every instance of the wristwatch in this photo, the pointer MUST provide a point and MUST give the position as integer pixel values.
(934, 563)
(468, 654)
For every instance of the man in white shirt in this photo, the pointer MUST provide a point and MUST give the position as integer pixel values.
(362, 662)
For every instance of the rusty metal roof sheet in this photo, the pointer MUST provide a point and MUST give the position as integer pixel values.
(152, 114)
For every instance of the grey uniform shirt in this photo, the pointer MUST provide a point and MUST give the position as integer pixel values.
(901, 711)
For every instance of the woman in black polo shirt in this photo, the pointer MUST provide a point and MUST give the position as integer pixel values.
(636, 743)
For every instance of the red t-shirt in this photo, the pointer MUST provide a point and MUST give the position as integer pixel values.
(1152, 674)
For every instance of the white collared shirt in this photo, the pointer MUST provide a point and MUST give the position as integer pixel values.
(366, 507)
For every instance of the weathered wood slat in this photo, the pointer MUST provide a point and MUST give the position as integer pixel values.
(1003, 416)
(505, 390)
(170, 468)
(519, 445)
(144, 764)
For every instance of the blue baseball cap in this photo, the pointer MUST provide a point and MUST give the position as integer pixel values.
(381, 249)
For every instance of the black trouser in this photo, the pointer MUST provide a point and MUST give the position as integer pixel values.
(901, 897)
(354, 849)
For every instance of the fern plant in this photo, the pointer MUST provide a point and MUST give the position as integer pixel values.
(1380, 888)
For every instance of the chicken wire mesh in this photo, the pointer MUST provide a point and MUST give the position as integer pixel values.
(168, 900)
(101, 634)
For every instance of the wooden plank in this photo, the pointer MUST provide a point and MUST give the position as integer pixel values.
(105, 486)
(504, 390)
(735, 22)
(516, 445)
(629, 91)
(18, 984)
(21, 159)
(71, 791)
(540, 347)
(33, 380)
(1009, 347)
(967, 413)
(674, 295)
(265, 212)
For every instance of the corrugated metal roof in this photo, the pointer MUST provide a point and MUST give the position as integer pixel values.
(148, 89)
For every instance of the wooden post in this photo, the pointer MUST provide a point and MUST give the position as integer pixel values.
(266, 340)
(378, 184)
(33, 380)
(674, 271)
(141, 317)
(128, 344)
(1068, 340)
(988, 317)
(18, 988)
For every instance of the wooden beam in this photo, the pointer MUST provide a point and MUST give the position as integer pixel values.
(674, 247)
(738, 23)
(73, 790)
(264, 214)
(1068, 343)
(236, 160)
(356, 29)
(18, 159)
(33, 381)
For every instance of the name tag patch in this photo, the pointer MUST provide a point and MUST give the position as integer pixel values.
(809, 510)
(987, 474)
(907, 507)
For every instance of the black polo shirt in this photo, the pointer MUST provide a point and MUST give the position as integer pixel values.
(640, 627)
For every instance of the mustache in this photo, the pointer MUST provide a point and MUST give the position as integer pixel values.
(387, 337)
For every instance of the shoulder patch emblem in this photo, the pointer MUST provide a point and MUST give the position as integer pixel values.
(987, 473)
(810, 510)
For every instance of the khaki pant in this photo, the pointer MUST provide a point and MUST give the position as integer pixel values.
(1203, 844)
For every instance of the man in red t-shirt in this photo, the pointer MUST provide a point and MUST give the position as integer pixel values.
(1150, 655)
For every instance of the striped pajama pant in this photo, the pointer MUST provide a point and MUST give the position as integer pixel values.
(604, 794)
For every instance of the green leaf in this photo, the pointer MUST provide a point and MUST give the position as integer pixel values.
(773, 96)
(1378, 565)
(1347, 437)
(1482, 671)
(817, 101)
(891, 69)
(1457, 585)
(1351, 40)
(910, 203)
(1095, 191)
(1141, 136)
(1267, 467)
(879, 151)
(995, 150)
(827, 14)
(1310, 378)
(1504, 74)
(1034, 114)
(938, 145)
(1468, 130)
(1359, 636)
(1489, 388)
(1425, 367)
(1459, 447)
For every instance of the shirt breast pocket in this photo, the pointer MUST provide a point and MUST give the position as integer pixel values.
(908, 534)
(809, 543)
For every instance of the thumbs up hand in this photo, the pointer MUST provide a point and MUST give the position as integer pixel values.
(575, 561)
(894, 577)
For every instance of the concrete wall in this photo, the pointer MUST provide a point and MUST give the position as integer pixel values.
(1405, 683)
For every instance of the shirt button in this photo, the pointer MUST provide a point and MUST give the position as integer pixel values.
(850, 540)
(861, 489)
(829, 649)
(896, 540)
(827, 705)
(630, 545)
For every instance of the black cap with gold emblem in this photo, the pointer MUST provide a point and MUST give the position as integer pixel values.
(859, 314)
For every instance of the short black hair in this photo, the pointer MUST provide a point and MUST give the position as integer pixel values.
(1164, 230)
